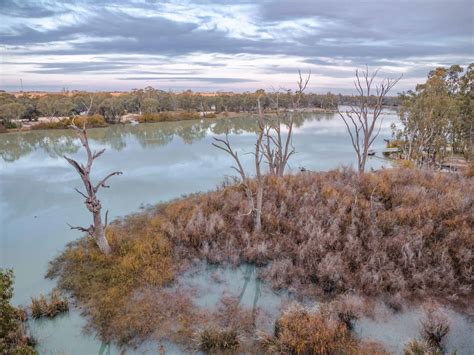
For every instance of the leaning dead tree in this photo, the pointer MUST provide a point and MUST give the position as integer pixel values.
(276, 147)
(363, 119)
(255, 200)
(97, 229)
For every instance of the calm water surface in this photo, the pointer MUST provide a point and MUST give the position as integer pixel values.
(160, 161)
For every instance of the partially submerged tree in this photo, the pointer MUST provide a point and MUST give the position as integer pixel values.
(276, 147)
(364, 120)
(270, 144)
(255, 201)
(96, 230)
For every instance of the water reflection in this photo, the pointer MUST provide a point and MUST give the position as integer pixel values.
(160, 161)
(57, 143)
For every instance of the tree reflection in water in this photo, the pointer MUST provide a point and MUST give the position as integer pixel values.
(57, 143)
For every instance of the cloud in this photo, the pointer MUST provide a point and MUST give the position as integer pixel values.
(219, 80)
(40, 38)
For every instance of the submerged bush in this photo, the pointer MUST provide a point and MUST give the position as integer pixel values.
(213, 339)
(420, 347)
(434, 326)
(300, 330)
(49, 306)
(13, 336)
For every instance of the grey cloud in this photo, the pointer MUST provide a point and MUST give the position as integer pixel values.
(24, 9)
(364, 33)
(97, 67)
(193, 78)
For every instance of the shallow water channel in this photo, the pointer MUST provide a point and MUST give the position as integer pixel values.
(160, 161)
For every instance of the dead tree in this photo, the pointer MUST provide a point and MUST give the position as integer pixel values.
(276, 148)
(96, 230)
(363, 120)
(255, 200)
(88, 105)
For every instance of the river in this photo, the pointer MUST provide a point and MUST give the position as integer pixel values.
(159, 161)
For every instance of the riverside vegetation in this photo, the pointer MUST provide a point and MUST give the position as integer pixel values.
(381, 234)
(13, 335)
(344, 239)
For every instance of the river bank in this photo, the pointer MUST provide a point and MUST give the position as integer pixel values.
(98, 121)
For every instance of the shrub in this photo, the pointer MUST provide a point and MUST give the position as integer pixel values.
(470, 170)
(44, 307)
(420, 347)
(434, 326)
(106, 284)
(9, 124)
(2, 128)
(300, 330)
(13, 336)
(90, 122)
(347, 309)
(169, 116)
(213, 339)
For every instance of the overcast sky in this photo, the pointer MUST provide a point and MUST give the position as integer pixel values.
(227, 45)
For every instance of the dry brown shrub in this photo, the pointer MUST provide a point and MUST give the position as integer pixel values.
(50, 306)
(434, 326)
(300, 330)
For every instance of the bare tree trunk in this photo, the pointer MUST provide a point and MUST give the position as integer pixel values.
(277, 150)
(97, 230)
(360, 123)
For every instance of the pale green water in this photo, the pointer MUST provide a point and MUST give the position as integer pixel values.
(160, 161)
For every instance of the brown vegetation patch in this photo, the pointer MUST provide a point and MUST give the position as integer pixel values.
(393, 234)
(50, 307)
(301, 330)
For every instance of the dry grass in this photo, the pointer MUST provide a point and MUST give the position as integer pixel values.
(420, 347)
(217, 339)
(397, 234)
(434, 326)
(103, 285)
(300, 330)
(48, 306)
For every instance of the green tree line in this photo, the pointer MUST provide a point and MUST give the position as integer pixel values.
(437, 118)
(148, 100)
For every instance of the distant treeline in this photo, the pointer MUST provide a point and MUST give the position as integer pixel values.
(149, 100)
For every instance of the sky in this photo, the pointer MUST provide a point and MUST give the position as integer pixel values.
(212, 45)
